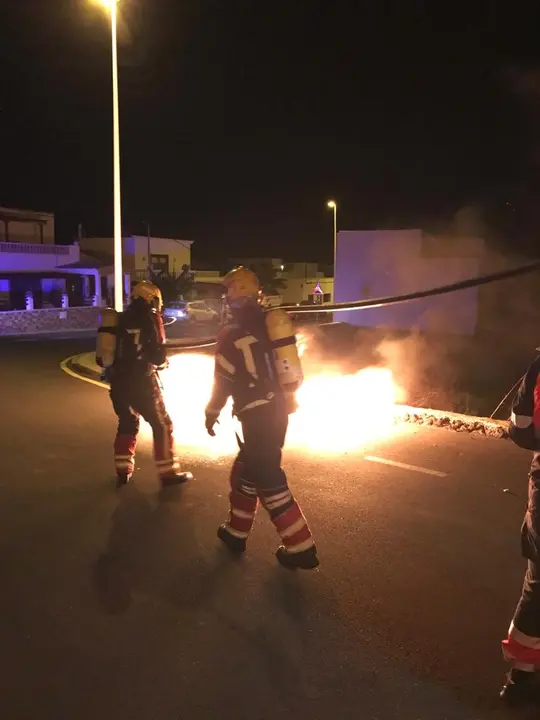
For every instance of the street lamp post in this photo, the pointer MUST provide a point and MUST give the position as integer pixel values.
(333, 206)
(118, 273)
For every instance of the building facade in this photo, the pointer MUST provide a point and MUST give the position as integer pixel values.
(141, 253)
(26, 226)
(381, 263)
(37, 273)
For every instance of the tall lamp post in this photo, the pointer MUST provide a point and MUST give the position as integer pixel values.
(332, 205)
(110, 5)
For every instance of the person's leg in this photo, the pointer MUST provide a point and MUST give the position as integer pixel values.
(125, 441)
(150, 404)
(242, 508)
(264, 431)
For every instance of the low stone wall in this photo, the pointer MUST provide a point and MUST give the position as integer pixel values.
(32, 322)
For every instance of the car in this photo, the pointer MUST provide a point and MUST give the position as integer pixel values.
(176, 310)
(199, 311)
(195, 311)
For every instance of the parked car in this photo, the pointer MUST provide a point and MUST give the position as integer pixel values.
(176, 310)
(195, 311)
(200, 311)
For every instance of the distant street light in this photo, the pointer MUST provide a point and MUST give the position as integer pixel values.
(110, 5)
(332, 205)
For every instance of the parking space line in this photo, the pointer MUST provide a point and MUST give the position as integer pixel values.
(405, 466)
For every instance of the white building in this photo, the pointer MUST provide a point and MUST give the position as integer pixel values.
(141, 253)
(26, 226)
(33, 266)
(382, 263)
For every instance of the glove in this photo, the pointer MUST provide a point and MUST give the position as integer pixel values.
(211, 420)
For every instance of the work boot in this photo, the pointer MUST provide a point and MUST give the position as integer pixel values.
(305, 560)
(235, 544)
(122, 479)
(520, 688)
(175, 479)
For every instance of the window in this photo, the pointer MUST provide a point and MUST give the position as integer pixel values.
(4, 286)
(159, 263)
(326, 297)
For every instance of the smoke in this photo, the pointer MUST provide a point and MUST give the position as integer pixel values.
(442, 366)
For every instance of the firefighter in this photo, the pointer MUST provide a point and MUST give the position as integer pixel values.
(522, 646)
(262, 386)
(138, 353)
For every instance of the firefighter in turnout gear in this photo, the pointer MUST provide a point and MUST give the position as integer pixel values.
(135, 387)
(522, 646)
(246, 369)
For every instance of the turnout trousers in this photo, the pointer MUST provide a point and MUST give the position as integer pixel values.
(257, 475)
(522, 647)
(131, 401)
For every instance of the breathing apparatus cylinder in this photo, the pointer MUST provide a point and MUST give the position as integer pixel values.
(286, 359)
(106, 338)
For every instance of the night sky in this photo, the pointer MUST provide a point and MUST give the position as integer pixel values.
(240, 118)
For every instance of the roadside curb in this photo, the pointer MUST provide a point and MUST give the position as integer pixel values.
(486, 427)
(77, 365)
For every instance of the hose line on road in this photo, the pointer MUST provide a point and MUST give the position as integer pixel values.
(395, 299)
(505, 398)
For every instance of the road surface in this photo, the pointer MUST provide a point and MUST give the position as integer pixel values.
(122, 605)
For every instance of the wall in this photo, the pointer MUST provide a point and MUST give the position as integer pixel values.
(135, 251)
(20, 322)
(375, 264)
(208, 276)
(103, 247)
(178, 251)
(302, 270)
(300, 289)
(24, 256)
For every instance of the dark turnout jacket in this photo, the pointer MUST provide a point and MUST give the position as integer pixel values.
(525, 432)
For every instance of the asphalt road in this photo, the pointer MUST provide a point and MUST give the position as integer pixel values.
(123, 605)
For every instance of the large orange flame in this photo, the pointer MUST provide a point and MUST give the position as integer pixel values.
(337, 412)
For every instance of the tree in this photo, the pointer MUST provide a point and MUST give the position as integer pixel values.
(271, 284)
(175, 285)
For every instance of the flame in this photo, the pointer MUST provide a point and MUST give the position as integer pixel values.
(337, 412)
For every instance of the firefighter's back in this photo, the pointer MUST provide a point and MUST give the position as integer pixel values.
(135, 338)
(245, 351)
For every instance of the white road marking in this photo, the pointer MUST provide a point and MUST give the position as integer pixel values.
(405, 466)
(64, 366)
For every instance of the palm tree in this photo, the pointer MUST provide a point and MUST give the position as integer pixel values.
(174, 286)
(271, 284)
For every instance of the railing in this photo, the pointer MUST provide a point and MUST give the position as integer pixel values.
(32, 249)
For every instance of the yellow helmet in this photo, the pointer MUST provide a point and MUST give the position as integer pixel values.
(148, 292)
(241, 283)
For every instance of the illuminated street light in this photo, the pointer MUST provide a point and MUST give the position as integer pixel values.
(110, 5)
(332, 205)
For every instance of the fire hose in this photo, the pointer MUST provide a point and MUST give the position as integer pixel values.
(395, 299)
(417, 295)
